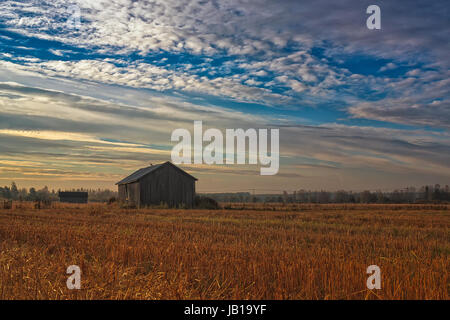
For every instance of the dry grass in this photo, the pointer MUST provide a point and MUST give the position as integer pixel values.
(314, 252)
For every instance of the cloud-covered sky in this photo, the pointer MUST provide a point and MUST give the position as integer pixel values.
(84, 105)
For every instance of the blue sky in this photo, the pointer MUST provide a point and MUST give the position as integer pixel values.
(357, 108)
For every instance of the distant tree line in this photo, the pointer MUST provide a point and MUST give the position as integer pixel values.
(425, 194)
(32, 194)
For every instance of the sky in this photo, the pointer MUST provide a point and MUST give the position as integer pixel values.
(85, 104)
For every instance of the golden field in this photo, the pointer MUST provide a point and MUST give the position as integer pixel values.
(256, 252)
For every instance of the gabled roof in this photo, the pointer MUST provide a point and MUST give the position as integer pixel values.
(137, 175)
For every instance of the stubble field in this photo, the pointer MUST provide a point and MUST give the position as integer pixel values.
(256, 252)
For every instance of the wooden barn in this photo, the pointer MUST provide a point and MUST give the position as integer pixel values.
(157, 184)
(73, 197)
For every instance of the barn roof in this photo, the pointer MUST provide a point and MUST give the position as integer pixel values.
(135, 176)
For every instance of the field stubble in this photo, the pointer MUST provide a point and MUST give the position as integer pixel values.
(306, 252)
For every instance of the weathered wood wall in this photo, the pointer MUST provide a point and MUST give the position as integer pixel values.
(73, 196)
(167, 185)
(130, 193)
(73, 199)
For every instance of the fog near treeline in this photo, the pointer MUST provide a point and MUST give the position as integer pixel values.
(425, 194)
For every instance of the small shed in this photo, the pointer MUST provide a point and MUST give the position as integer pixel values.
(161, 183)
(73, 197)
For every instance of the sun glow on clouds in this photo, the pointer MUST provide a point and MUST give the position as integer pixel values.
(55, 135)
